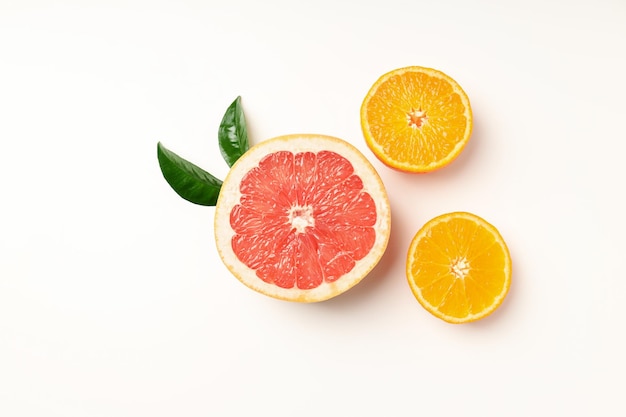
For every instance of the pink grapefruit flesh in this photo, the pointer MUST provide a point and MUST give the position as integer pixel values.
(302, 218)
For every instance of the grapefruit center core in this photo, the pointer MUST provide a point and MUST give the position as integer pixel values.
(301, 217)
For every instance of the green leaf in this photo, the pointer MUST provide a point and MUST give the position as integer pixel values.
(188, 180)
(233, 133)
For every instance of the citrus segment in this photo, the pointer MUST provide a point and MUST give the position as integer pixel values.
(302, 217)
(416, 119)
(459, 267)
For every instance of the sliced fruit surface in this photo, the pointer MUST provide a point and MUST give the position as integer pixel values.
(416, 119)
(459, 267)
(302, 217)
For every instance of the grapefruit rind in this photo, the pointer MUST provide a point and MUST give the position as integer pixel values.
(417, 291)
(410, 166)
(230, 196)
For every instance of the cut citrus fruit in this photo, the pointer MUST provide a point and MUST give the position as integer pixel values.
(459, 267)
(302, 217)
(416, 119)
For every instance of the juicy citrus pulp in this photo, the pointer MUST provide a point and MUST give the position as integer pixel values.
(302, 217)
(416, 119)
(458, 267)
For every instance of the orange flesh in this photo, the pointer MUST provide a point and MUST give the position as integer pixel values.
(459, 292)
(402, 132)
(302, 219)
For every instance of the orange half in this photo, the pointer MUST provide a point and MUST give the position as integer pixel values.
(459, 267)
(416, 119)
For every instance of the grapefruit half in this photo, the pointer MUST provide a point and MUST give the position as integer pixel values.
(302, 217)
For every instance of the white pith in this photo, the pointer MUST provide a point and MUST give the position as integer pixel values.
(460, 268)
(416, 118)
(300, 216)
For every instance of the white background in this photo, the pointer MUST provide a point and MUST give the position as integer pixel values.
(113, 301)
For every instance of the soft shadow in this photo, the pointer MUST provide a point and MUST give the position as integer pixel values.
(465, 161)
